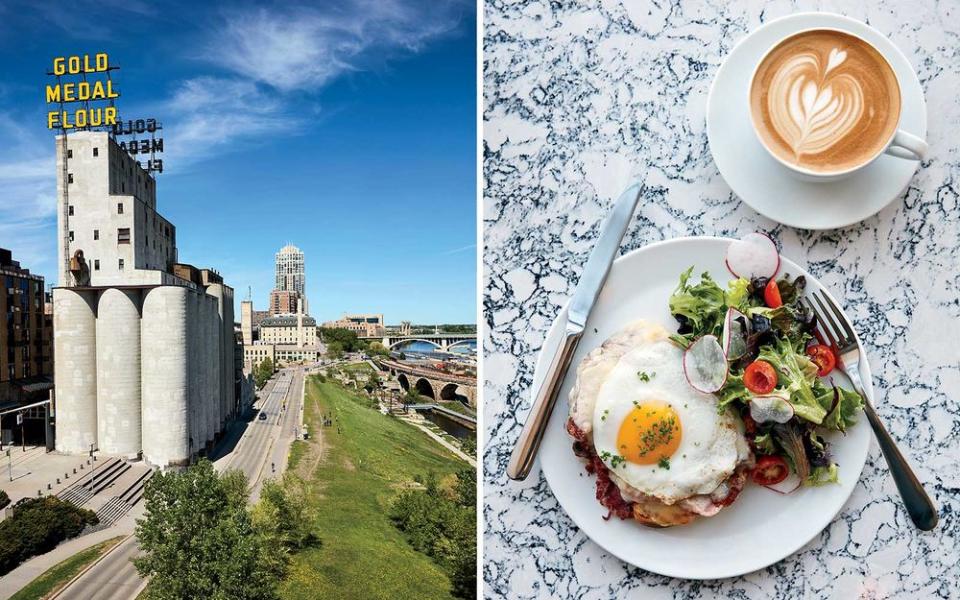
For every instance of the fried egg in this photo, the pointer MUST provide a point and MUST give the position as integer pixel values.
(658, 436)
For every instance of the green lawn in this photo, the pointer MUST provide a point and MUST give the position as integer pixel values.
(58, 575)
(362, 367)
(361, 554)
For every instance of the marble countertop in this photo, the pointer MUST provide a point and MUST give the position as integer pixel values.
(570, 117)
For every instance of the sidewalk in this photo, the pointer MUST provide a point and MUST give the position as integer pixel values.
(34, 469)
(36, 566)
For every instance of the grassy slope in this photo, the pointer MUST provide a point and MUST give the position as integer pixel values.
(362, 554)
(58, 575)
(362, 367)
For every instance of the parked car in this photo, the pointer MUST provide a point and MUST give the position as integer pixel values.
(263, 416)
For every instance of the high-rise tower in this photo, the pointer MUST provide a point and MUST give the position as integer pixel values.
(290, 277)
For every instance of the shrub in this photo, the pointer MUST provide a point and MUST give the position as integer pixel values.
(37, 526)
(4, 499)
(444, 527)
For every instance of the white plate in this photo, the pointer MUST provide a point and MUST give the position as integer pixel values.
(767, 186)
(761, 527)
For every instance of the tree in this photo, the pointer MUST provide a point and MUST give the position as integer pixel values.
(37, 526)
(373, 381)
(283, 515)
(334, 350)
(347, 339)
(198, 540)
(377, 349)
(262, 372)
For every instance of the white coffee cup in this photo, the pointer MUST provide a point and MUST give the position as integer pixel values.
(900, 143)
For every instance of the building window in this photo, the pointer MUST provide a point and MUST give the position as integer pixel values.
(120, 264)
(70, 210)
(71, 236)
(123, 235)
(96, 264)
(123, 186)
(119, 208)
(96, 152)
(69, 177)
(96, 234)
(69, 153)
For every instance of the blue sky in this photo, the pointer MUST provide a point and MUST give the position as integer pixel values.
(347, 128)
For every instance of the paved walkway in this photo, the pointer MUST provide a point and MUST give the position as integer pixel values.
(36, 566)
(34, 469)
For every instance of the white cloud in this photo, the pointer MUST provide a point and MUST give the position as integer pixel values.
(305, 48)
(27, 195)
(210, 113)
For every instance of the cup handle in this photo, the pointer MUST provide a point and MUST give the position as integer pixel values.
(908, 146)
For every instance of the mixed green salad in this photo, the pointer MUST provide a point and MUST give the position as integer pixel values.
(777, 373)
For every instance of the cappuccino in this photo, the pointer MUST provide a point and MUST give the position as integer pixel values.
(825, 101)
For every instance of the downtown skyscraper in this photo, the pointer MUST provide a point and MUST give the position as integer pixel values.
(289, 292)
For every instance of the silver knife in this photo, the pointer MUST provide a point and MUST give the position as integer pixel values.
(591, 282)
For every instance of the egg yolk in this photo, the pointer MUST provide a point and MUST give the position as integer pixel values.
(650, 433)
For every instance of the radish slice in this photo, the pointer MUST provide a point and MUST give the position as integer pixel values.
(705, 365)
(788, 485)
(735, 334)
(773, 408)
(753, 255)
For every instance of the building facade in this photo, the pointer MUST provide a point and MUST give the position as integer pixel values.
(26, 351)
(284, 302)
(146, 346)
(363, 325)
(284, 339)
(289, 291)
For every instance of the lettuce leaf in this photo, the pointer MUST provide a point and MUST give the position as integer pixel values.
(823, 475)
(845, 413)
(797, 375)
(701, 305)
(738, 294)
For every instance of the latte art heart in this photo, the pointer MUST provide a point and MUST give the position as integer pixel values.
(824, 101)
(812, 106)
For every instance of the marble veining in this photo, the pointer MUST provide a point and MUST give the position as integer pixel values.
(582, 97)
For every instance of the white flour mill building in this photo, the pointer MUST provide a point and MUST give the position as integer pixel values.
(145, 347)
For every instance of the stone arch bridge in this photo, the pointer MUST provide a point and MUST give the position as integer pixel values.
(432, 384)
(443, 341)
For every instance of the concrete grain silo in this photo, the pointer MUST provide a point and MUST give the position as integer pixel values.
(165, 376)
(194, 369)
(118, 372)
(211, 351)
(216, 290)
(229, 344)
(75, 348)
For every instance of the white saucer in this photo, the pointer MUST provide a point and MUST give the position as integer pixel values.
(767, 186)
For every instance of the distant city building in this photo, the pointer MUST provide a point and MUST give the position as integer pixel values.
(362, 325)
(284, 302)
(289, 290)
(284, 339)
(299, 330)
(146, 349)
(26, 353)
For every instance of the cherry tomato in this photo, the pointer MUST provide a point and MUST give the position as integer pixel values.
(770, 469)
(771, 295)
(760, 377)
(823, 357)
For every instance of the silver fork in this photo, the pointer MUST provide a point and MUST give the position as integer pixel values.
(921, 508)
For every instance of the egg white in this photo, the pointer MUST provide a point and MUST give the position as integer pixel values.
(711, 444)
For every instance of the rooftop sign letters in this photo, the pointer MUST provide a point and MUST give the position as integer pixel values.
(85, 80)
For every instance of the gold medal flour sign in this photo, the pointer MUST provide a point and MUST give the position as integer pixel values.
(81, 79)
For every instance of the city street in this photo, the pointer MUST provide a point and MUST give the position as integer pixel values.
(250, 446)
